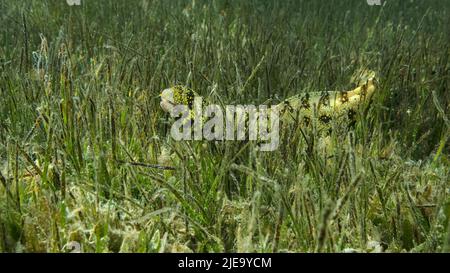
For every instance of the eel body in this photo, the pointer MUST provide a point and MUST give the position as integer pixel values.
(320, 108)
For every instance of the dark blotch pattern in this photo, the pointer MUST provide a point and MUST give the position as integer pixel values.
(325, 99)
(325, 119)
(344, 97)
(305, 101)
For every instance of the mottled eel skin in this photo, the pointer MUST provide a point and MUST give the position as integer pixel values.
(319, 108)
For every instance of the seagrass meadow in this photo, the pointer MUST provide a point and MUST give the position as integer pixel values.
(87, 161)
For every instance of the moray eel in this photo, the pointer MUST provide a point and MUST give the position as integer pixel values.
(319, 109)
